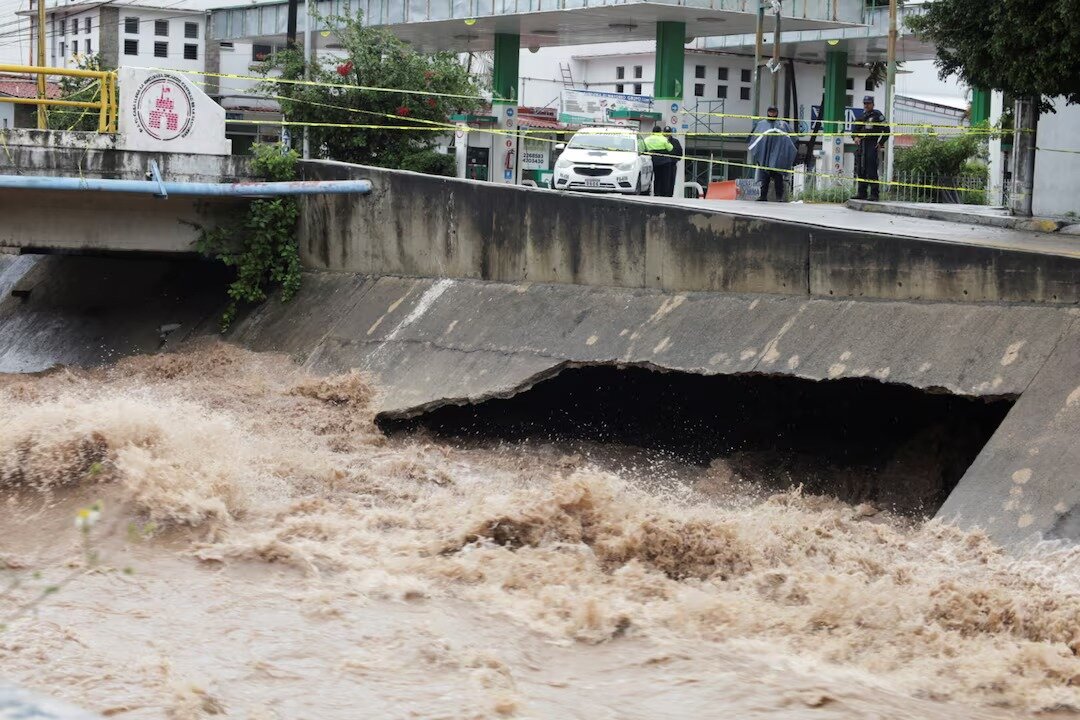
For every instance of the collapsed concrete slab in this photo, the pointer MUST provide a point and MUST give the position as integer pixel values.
(433, 342)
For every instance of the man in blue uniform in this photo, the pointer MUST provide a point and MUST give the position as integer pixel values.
(870, 133)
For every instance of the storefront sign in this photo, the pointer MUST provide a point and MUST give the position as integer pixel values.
(585, 107)
(534, 155)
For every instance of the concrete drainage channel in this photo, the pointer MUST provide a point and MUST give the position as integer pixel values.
(984, 396)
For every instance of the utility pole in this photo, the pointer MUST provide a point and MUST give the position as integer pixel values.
(309, 52)
(775, 69)
(890, 91)
(42, 116)
(1026, 113)
(290, 25)
(758, 45)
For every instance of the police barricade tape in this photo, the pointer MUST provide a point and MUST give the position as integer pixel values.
(516, 134)
(431, 93)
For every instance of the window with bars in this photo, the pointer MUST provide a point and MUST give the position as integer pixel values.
(637, 71)
(721, 74)
(620, 88)
(747, 76)
(161, 28)
(63, 50)
(131, 47)
(191, 30)
(74, 26)
(191, 52)
(86, 25)
(699, 71)
(620, 72)
(744, 93)
(699, 90)
(89, 51)
(637, 88)
(161, 49)
(721, 92)
(131, 25)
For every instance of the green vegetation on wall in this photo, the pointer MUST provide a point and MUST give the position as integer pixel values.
(262, 247)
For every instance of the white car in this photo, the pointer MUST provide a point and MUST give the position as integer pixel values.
(605, 160)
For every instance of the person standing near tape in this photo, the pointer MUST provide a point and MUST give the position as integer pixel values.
(660, 149)
(675, 156)
(774, 152)
(871, 134)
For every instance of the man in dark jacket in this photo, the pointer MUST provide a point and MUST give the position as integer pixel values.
(870, 133)
(669, 167)
(773, 151)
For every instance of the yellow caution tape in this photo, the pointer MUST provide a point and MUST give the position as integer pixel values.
(315, 83)
(428, 93)
(435, 126)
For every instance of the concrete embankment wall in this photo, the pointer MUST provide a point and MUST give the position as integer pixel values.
(108, 222)
(424, 226)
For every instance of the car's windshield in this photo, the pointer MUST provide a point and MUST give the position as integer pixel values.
(623, 143)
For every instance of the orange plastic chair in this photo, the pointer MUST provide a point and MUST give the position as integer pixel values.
(724, 190)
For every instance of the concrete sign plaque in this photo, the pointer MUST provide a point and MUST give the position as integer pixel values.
(165, 112)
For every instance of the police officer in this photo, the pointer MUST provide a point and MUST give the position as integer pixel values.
(660, 149)
(870, 133)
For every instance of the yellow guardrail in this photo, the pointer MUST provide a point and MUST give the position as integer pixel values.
(106, 106)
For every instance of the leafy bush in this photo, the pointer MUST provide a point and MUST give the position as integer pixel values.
(262, 247)
(431, 162)
(81, 89)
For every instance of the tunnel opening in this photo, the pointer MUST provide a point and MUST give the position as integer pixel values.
(860, 440)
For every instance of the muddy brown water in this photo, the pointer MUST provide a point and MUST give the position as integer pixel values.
(262, 551)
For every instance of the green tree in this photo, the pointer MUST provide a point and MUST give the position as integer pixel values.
(81, 89)
(373, 58)
(1027, 48)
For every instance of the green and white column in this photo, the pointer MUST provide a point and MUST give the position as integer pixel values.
(504, 104)
(980, 106)
(832, 115)
(668, 85)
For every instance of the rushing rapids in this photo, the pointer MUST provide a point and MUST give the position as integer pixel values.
(251, 546)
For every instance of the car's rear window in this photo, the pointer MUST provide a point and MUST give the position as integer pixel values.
(624, 143)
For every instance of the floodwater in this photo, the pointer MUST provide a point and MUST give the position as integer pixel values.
(261, 551)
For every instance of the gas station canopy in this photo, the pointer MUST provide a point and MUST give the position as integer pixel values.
(471, 25)
(863, 44)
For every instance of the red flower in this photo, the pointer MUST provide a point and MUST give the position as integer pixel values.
(430, 102)
(403, 111)
(345, 69)
(428, 74)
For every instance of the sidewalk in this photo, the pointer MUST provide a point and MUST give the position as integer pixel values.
(969, 214)
(884, 224)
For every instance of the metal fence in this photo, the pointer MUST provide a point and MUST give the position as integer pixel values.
(932, 188)
(906, 187)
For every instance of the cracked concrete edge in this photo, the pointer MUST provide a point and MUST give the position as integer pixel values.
(930, 212)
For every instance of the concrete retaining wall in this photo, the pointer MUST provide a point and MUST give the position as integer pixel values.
(112, 222)
(424, 226)
(87, 154)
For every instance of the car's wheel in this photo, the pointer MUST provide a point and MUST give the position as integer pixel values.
(640, 189)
